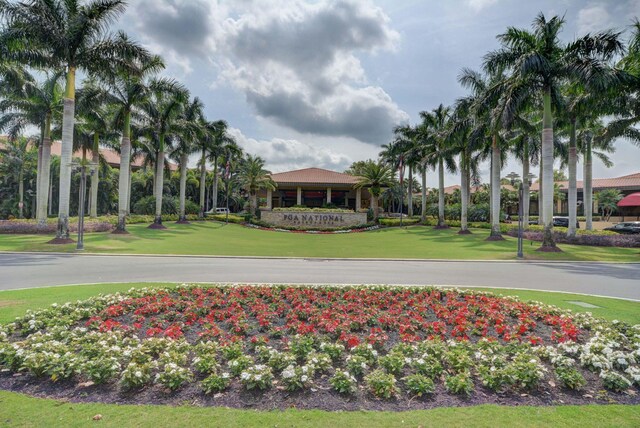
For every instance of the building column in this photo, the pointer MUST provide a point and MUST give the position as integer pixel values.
(328, 195)
(358, 199)
(269, 200)
(299, 201)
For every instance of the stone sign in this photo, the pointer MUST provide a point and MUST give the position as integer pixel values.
(313, 220)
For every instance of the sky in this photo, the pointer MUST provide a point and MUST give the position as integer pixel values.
(323, 83)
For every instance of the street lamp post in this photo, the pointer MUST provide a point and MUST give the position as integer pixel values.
(514, 177)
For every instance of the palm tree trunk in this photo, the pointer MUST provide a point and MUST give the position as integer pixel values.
(587, 186)
(573, 191)
(95, 177)
(548, 243)
(21, 191)
(525, 186)
(495, 234)
(540, 189)
(410, 193)
(62, 234)
(423, 212)
(44, 193)
(214, 191)
(203, 181)
(130, 169)
(39, 170)
(183, 187)
(374, 207)
(159, 185)
(254, 203)
(124, 184)
(441, 223)
(464, 195)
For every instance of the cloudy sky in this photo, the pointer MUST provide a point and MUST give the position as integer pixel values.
(322, 83)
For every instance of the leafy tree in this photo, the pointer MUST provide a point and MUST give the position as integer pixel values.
(375, 177)
(608, 202)
(254, 177)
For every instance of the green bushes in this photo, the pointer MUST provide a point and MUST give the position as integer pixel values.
(170, 205)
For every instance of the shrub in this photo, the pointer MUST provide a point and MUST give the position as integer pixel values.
(343, 382)
(215, 383)
(419, 385)
(392, 363)
(614, 381)
(357, 365)
(495, 378)
(570, 377)
(460, 383)
(100, 369)
(427, 365)
(238, 365)
(173, 376)
(135, 376)
(381, 384)
(147, 205)
(526, 370)
(257, 377)
(296, 377)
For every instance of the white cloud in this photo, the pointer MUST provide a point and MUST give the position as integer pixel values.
(289, 154)
(478, 5)
(593, 18)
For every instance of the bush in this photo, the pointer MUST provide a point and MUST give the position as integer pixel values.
(460, 384)
(216, 383)
(381, 384)
(147, 205)
(343, 382)
(419, 385)
(570, 378)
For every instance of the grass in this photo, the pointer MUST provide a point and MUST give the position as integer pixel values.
(417, 242)
(17, 410)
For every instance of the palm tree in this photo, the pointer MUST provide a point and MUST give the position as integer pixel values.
(191, 130)
(375, 176)
(161, 119)
(253, 177)
(486, 91)
(16, 159)
(220, 141)
(539, 64)
(33, 104)
(66, 35)
(436, 134)
(128, 90)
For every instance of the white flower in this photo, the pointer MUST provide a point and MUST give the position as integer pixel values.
(138, 373)
(258, 377)
(304, 378)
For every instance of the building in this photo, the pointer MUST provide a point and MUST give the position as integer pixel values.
(316, 187)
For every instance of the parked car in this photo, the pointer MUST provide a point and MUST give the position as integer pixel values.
(559, 222)
(627, 228)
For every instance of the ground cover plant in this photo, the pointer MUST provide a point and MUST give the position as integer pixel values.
(415, 242)
(327, 348)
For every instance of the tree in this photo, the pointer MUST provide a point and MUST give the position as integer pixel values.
(220, 142)
(254, 177)
(127, 92)
(190, 131)
(539, 65)
(33, 103)
(436, 134)
(16, 159)
(160, 120)
(72, 36)
(375, 176)
(608, 202)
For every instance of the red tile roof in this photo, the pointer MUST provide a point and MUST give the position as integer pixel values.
(626, 181)
(314, 176)
(110, 156)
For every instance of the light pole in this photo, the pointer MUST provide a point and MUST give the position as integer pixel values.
(514, 177)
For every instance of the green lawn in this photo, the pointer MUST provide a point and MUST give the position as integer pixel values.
(17, 410)
(417, 242)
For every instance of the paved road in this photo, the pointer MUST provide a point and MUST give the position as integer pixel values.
(34, 270)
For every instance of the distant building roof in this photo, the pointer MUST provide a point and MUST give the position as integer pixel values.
(630, 181)
(110, 156)
(314, 176)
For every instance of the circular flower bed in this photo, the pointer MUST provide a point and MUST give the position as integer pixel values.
(319, 347)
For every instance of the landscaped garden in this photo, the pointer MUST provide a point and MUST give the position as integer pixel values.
(331, 348)
(215, 238)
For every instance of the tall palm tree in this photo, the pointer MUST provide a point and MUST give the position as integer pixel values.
(190, 131)
(70, 35)
(161, 119)
(375, 176)
(16, 159)
(220, 141)
(254, 177)
(128, 90)
(413, 153)
(539, 64)
(436, 133)
(36, 103)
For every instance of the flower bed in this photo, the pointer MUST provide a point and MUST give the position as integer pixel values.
(319, 347)
(357, 229)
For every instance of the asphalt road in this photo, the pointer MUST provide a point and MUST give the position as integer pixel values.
(36, 270)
